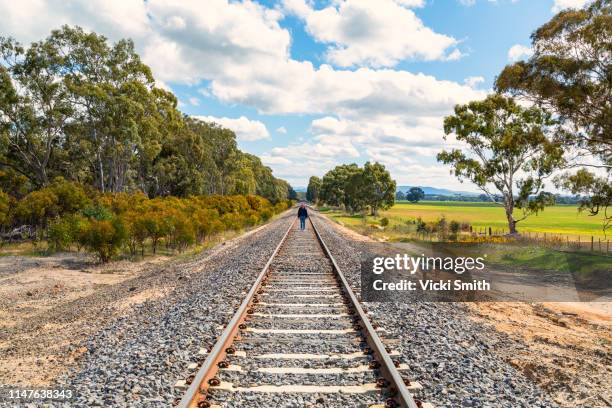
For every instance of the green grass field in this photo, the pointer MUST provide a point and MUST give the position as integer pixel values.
(560, 219)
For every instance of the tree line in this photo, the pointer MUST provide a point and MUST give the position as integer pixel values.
(513, 149)
(354, 188)
(77, 107)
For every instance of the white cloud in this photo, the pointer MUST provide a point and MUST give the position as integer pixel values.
(215, 38)
(467, 3)
(31, 20)
(245, 129)
(237, 52)
(194, 101)
(518, 52)
(473, 81)
(281, 130)
(377, 34)
(563, 4)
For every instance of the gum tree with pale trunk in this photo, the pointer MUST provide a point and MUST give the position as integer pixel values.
(508, 151)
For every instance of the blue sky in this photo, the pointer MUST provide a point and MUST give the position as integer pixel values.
(309, 85)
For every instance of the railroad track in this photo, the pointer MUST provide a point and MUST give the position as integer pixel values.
(299, 338)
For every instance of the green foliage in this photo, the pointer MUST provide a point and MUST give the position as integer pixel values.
(334, 182)
(356, 188)
(65, 231)
(313, 189)
(13, 183)
(597, 193)
(104, 237)
(509, 151)
(98, 213)
(415, 194)
(378, 187)
(384, 221)
(76, 106)
(569, 73)
(37, 208)
(4, 208)
(71, 196)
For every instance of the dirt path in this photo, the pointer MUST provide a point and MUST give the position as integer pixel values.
(565, 347)
(47, 308)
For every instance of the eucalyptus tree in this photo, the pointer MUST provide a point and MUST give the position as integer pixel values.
(119, 114)
(508, 149)
(334, 182)
(34, 109)
(570, 73)
(378, 187)
(313, 189)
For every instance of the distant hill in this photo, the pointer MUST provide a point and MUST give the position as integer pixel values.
(438, 191)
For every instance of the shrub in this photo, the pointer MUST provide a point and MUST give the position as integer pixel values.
(104, 237)
(58, 235)
(155, 226)
(204, 222)
(4, 209)
(421, 226)
(65, 231)
(135, 224)
(98, 212)
(37, 208)
(384, 221)
(454, 230)
(266, 215)
(71, 196)
(441, 228)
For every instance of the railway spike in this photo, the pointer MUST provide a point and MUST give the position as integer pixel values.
(390, 403)
(203, 404)
(223, 364)
(230, 350)
(381, 382)
(213, 382)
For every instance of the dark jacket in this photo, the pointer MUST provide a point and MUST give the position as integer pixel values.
(302, 212)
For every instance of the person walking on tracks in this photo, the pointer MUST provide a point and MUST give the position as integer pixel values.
(302, 215)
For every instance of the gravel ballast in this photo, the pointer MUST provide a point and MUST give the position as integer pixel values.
(137, 359)
(450, 355)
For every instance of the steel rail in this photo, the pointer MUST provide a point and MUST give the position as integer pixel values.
(403, 397)
(199, 386)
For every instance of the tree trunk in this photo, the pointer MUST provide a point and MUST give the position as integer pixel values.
(511, 222)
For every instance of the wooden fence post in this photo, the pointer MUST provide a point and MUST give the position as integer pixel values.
(599, 243)
(592, 242)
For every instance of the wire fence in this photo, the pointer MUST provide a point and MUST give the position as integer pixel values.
(587, 243)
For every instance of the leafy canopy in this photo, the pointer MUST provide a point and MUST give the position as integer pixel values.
(508, 151)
